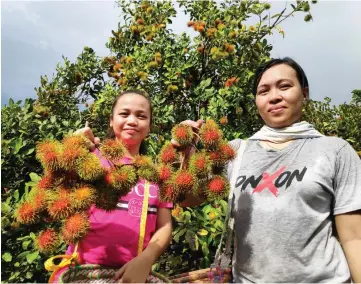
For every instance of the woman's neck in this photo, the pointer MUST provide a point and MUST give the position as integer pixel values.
(133, 151)
(277, 146)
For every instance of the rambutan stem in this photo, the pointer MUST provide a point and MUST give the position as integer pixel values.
(184, 155)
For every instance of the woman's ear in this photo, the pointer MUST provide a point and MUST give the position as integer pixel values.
(306, 94)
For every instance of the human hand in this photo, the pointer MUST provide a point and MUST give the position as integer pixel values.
(187, 152)
(135, 271)
(88, 133)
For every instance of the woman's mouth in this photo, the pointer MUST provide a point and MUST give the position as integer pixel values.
(130, 131)
(276, 110)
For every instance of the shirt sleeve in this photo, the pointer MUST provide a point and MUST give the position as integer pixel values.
(347, 181)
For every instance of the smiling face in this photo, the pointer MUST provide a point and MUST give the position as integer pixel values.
(130, 119)
(279, 96)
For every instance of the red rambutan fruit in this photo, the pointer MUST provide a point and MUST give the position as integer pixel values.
(227, 151)
(200, 164)
(70, 156)
(122, 179)
(48, 153)
(183, 134)
(27, 213)
(46, 182)
(113, 149)
(141, 161)
(38, 198)
(184, 180)
(217, 188)
(89, 168)
(47, 241)
(167, 154)
(217, 158)
(168, 193)
(210, 134)
(60, 205)
(149, 173)
(76, 141)
(165, 172)
(83, 197)
(75, 228)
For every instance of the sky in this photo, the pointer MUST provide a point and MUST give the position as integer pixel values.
(35, 35)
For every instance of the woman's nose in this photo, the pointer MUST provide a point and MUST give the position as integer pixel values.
(132, 119)
(275, 96)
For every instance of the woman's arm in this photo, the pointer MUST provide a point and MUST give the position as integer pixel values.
(349, 231)
(138, 269)
(162, 237)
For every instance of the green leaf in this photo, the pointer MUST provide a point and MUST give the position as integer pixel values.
(34, 177)
(5, 208)
(7, 257)
(224, 205)
(23, 238)
(219, 225)
(11, 102)
(205, 249)
(192, 240)
(32, 256)
(16, 195)
(202, 232)
(179, 234)
(208, 208)
(23, 254)
(32, 235)
(29, 151)
(28, 275)
(16, 144)
(13, 276)
(53, 119)
(25, 244)
(186, 216)
(204, 84)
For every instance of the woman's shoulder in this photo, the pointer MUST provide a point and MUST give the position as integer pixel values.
(330, 142)
(235, 144)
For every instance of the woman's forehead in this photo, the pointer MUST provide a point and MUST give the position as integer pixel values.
(132, 100)
(278, 72)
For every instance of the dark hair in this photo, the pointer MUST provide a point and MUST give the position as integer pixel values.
(143, 146)
(301, 75)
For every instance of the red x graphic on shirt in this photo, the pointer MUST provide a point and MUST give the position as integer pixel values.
(268, 182)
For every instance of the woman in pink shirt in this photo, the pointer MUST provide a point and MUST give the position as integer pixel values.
(113, 236)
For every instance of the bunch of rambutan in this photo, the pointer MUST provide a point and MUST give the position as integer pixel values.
(74, 179)
(203, 174)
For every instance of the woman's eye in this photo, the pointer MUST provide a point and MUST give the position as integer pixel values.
(262, 92)
(284, 87)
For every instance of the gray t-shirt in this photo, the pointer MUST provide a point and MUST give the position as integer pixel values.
(284, 205)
